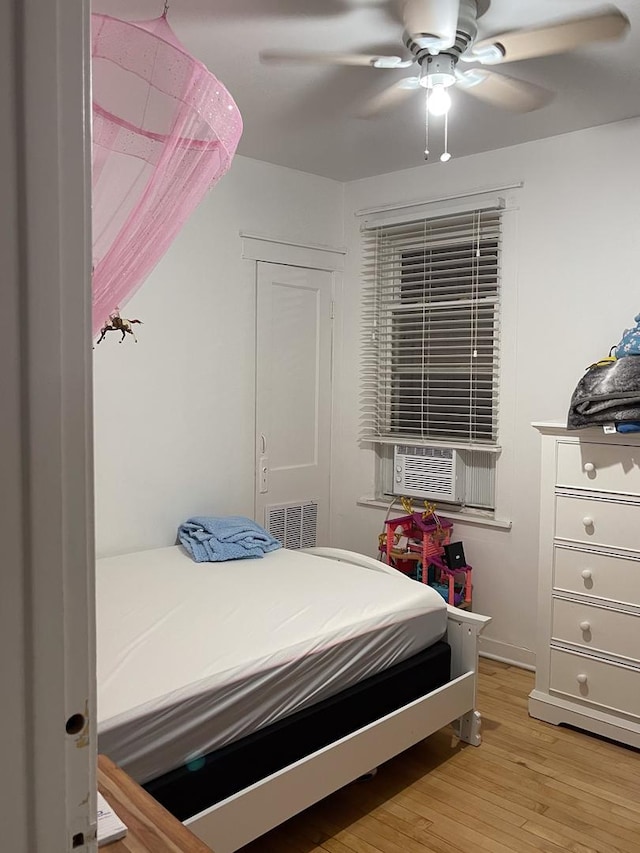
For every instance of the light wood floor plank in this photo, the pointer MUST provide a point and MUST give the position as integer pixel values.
(530, 788)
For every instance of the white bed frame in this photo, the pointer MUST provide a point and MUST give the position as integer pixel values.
(236, 821)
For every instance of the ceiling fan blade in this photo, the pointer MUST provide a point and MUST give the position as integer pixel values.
(318, 58)
(502, 91)
(608, 25)
(390, 97)
(432, 23)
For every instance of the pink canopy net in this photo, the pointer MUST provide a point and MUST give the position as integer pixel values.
(164, 131)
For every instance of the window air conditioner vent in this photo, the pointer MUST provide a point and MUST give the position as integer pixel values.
(431, 473)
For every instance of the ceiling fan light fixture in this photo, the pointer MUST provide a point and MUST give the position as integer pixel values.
(437, 71)
(439, 101)
(430, 80)
(441, 108)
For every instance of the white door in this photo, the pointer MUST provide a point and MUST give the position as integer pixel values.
(48, 737)
(293, 402)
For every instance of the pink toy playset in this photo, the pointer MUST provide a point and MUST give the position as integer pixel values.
(415, 545)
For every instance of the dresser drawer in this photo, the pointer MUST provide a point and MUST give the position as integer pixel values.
(601, 467)
(596, 628)
(611, 687)
(613, 525)
(598, 575)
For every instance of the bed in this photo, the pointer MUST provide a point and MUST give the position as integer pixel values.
(240, 693)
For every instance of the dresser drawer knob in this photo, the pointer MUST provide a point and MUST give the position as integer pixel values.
(586, 574)
(585, 626)
(587, 521)
(589, 467)
(582, 678)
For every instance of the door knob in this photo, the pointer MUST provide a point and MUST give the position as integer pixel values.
(585, 626)
(587, 521)
(586, 574)
(589, 467)
(582, 678)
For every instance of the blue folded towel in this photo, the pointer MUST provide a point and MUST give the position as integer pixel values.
(233, 537)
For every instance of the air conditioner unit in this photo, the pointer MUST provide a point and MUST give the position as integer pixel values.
(432, 473)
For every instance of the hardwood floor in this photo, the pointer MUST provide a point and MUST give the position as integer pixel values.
(529, 787)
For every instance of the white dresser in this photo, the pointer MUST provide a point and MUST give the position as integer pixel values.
(588, 647)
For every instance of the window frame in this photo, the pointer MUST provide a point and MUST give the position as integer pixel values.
(381, 449)
(382, 420)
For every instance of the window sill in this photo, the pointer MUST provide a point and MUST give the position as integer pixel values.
(474, 447)
(464, 517)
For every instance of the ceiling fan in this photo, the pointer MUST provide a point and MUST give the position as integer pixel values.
(438, 34)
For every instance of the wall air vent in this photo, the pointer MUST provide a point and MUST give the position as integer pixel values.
(431, 473)
(294, 525)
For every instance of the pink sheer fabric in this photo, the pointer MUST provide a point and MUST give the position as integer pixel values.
(164, 131)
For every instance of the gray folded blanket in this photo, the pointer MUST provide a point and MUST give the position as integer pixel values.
(607, 394)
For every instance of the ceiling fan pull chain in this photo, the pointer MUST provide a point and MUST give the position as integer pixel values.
(426, 126)
(445, 154)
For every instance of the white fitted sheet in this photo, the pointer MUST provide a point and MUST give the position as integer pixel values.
(191, 656)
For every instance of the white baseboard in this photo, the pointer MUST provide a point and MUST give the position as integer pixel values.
(506, 653)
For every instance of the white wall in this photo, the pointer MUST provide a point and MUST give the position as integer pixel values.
(574, 290)
(174, 414)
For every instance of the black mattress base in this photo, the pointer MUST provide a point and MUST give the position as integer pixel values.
(200, 784)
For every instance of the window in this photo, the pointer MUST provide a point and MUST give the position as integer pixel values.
(431, 309)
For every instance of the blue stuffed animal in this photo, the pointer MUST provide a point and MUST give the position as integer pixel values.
(630, 343)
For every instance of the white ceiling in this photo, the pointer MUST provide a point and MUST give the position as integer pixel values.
(306, 117)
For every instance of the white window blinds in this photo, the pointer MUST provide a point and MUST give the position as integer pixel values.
(431, 318)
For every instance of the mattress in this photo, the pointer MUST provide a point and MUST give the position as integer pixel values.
(193, 656)
(193, 788)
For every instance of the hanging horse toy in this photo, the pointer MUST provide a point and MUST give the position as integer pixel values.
(116, 323)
